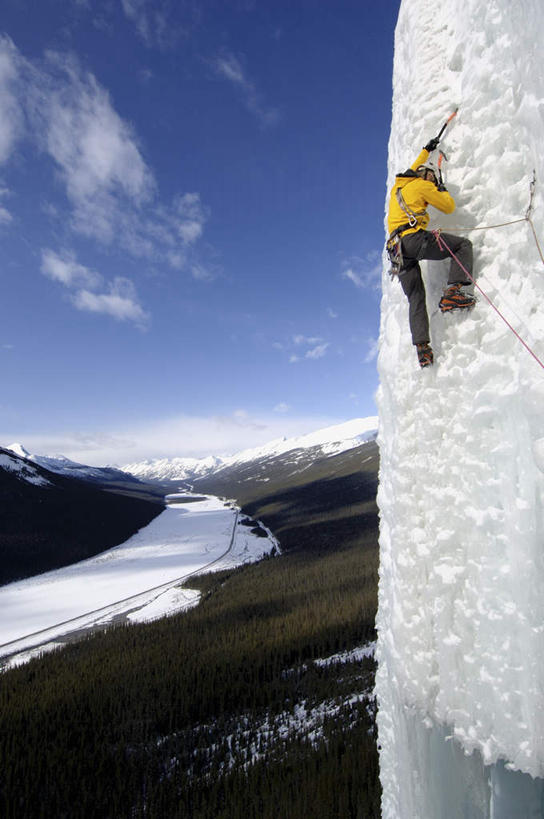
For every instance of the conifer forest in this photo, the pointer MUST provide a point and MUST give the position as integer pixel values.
(220, 711)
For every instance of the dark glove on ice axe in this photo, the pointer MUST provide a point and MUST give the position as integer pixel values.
(433, 143)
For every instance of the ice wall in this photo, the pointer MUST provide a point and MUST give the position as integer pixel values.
(461, 598)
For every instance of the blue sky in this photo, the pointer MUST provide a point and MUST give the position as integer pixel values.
(191, 221)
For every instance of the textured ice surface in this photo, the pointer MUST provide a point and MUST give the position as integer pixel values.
(461, 608)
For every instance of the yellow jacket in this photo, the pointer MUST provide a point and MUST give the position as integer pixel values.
(417, 193)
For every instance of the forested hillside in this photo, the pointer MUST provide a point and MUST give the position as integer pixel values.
(50, 521)
(221, 711)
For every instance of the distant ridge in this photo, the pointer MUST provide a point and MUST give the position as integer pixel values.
(326, 442)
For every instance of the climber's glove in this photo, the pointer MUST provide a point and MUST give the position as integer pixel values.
(432, 145)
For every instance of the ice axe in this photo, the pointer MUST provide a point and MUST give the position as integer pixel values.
(442, 156)
(449, 119)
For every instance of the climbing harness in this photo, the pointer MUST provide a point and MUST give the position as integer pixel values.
(394, 243)
(413, 216)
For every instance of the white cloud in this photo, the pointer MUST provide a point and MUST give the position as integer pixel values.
(5, 216)
(117, 299)
(66, 270)
(95, 150)
(282, 407)
(111, 192)
(120, 302)
(154, 20)
(192, 217)
(353, 277)
(317, 352)
(364, 273)
(299, 339)
(372, 352)
(317, 348)
(332, 313)
(191, 436)
(203, 273)
(11, 118)
(228, 66)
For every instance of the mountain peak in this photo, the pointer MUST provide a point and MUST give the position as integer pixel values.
(19, 450)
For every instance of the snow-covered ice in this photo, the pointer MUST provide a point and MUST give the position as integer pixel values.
(183, 540)
(461, 608)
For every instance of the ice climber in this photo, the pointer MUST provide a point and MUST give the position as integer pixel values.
(421, 185)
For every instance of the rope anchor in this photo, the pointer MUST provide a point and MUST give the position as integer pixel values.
(442, 244)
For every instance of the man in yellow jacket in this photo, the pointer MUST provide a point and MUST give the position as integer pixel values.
(412, 192)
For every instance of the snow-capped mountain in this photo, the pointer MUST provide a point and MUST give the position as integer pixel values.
(63, 466)
(18, 466)
(172, 469)
(325, 442)
(461, 490)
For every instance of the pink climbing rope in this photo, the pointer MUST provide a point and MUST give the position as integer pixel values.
(443, 245)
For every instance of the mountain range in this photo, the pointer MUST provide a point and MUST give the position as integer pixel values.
(282, 452)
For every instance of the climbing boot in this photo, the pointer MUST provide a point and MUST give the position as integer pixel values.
(424, 354)
(454, 298)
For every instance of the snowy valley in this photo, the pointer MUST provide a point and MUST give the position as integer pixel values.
(262, 691)
(140, 580)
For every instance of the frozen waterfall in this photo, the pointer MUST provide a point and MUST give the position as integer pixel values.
(460, 682)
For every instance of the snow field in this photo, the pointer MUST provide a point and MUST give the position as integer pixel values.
(182, 540)
(461, 610)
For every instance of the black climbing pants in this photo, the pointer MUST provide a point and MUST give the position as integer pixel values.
(423, 245)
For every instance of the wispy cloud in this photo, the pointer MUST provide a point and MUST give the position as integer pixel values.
(364, 273)
(182, 435)
(66, 270)
(5, 215)
(372, 350)
(11, 114)
(154, 20)
(120, 301)
(111, 194)
(318, 351)
(308, 347)
(191, 216)
(305, 340)
(282, 407)
(230, 68)
(96, 151)
(90, 292)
